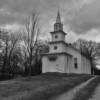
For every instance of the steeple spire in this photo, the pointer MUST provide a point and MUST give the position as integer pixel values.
(58, 26)
(58, 20)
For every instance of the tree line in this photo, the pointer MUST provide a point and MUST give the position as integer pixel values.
(21, 52)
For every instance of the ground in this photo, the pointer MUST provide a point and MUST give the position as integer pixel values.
(42, 87)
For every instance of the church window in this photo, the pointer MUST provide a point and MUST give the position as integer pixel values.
(52, 57)
(55, 47)
(75, 63)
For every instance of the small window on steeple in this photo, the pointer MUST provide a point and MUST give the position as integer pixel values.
(56, 36)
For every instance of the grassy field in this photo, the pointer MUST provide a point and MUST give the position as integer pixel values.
(41, 87)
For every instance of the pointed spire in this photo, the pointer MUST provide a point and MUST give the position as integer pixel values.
(58, 20)
(58, 26)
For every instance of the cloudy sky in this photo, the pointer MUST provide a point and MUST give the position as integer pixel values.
(81, 18)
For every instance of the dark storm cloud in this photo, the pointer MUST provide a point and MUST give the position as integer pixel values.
(3, 2)
(16, 10)
(86, 18)
(80, 15)
(22, 8)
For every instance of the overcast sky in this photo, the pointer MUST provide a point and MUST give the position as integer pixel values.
(81, 18)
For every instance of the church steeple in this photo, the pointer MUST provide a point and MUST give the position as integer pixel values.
(58, 34)
(58, 19)
(58, 26)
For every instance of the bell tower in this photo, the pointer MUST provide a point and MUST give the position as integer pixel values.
(58, 34)
(57, 44)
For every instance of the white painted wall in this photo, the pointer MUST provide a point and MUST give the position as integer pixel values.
(60, 48)
(77, 55)
(85, 64)
(55, 66)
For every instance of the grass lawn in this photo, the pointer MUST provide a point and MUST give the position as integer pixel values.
(87, 92)
(41, 87)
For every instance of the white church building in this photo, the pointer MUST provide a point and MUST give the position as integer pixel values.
(63, 57)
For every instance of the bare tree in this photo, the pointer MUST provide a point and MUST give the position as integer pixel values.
(30, 39)
(10, 44)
